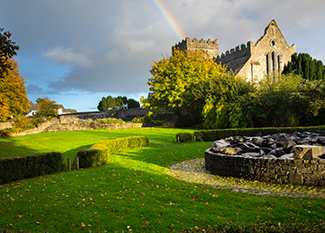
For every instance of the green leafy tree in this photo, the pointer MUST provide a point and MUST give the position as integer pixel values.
(223, 89)
(47, 107)
(180, 84)
(13, 96)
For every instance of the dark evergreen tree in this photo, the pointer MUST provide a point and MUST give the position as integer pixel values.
(304, 65)
(133, 103)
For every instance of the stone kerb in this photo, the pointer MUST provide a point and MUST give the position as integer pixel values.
(283, 166)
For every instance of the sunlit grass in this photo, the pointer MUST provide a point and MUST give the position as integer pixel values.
(134, 191)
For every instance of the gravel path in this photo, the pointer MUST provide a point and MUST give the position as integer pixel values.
(194, 171)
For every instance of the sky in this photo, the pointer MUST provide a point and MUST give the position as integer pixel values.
(77, 51)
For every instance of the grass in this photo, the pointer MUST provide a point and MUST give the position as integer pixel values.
(133, 191)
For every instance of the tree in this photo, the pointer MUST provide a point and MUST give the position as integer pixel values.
(133, 103)
(7, 49)
(180, 84)
(303, 64)
(47, 107)
(111, 102)
(13, 96)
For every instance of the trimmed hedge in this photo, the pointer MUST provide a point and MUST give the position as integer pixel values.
(216, 134)
(28, 166)
(98, 154)
(184, 137)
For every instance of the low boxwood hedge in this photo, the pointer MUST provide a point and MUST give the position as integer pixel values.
(216, 134)
(28, 166)
(184, 137)
(98, 154)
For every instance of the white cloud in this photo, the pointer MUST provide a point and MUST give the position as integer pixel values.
(62, 56)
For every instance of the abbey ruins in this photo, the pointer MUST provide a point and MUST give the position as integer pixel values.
(253, 61)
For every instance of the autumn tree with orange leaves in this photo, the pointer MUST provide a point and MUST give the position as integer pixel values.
(13, 96)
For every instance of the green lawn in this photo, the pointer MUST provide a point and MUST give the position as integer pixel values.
(133, 191)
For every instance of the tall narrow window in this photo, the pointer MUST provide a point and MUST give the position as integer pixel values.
(267, 64)
(279, 63)
(273, 62)
(252, 71)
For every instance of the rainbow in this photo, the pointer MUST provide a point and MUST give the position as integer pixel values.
(170, 20)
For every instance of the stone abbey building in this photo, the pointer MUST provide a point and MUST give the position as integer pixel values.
(253, 61)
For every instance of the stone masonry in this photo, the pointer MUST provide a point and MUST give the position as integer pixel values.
(281, 158)
(252, 61)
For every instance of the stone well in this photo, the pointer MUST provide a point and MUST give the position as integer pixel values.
(281, 158)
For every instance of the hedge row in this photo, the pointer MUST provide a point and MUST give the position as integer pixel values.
(28, 166)
(98, 154)
(184, 137)
(216, 134)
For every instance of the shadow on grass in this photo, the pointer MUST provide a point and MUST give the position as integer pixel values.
(10, 148)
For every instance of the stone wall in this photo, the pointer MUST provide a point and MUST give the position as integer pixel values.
(74, 124)
(211, 47)
(124, 114)
(282, 171)
(5, 125)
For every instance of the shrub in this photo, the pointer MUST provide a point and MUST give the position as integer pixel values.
(21, 121)
(9, 132)
(145, 119)
(109, 120)
(184, 137)
(212, 135)
(35, 121)
(28, 166)
(98, 154)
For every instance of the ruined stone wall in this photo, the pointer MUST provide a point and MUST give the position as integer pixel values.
(124, 114)
(251, 61)
(282, 171)
(236, 58)
(211, 47)
(268, 55)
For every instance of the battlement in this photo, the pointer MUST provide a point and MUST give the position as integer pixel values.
(243, 50)
(211, 47)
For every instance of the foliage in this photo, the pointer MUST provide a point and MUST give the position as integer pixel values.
(47, 107)
(145, 119)
(284, 100)
(7, 50)
(98, 154)
(13, 96)
(34, 121)
(111, 102)
(9, 132)
(109, 120)
(223, 90)
(303, 64)
(216, 134)
(22, 167)
(184, 137)
(21, 121)
(180, 83)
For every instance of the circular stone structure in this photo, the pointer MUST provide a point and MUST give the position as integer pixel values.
(296, 159)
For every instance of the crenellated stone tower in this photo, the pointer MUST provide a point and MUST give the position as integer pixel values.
(211, 47)
(253, 61)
